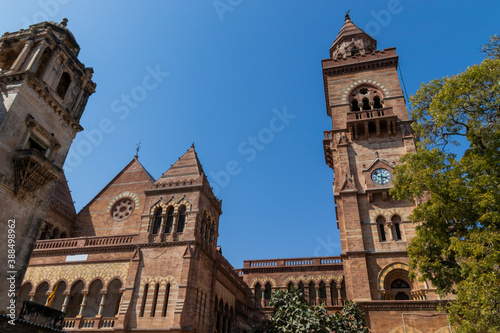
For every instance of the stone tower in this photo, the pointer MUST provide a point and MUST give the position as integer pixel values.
(44, 90)
(370, 132)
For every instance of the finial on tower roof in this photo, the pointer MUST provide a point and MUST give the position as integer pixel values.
(192, 146)
(138, 148)
(347, 17)
(64, 22)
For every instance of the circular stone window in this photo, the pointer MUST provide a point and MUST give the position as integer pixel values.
(122, 209)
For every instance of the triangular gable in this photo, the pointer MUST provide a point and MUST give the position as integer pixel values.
(132, 166)
(348, 185)
(378, 163)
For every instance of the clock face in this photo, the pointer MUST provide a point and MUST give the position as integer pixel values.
(381, 176)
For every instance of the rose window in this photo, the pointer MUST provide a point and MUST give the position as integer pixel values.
(122, 209)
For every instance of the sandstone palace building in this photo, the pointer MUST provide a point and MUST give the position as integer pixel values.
(142, 255)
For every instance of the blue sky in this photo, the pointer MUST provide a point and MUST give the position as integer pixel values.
(224, 69)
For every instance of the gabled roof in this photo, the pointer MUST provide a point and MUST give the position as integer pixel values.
(134, 164)
(187, 172)
(188, 166)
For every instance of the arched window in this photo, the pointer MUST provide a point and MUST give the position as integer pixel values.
(63, 235)
(343, 293)
(41, 293)
(93, 299)
(258, 292)
(157, 220)
(376, 103)
(381, 228)
(366, 104)
(75, 299)
(113, 298)
(165, 302)
(400, 288)
(301, 288)
(155, 300)
(170, 219)
(55, 233)
(267, 291)
(144, 299)
(45, 232)
(58, 298)
(354, 105)
(322, 291)
(396, 221)
(312, 293)
(290, 286)
(24, 292)
(334, 293)
(63, 85)
(182, 219)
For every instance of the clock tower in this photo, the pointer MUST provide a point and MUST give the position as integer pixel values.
(370, 132)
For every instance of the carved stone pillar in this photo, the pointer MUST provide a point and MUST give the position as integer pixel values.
(317, 295)
(32, 296)
(84, 302)
(66, 300)
(328, 296)
(390, 231)
(37, 54)
(339, 289)
(22, 56)
(103, 300)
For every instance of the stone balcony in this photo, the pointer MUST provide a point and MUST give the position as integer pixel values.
(32, 170)
(370, 123)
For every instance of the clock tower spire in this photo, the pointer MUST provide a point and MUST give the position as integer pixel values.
(370, 132)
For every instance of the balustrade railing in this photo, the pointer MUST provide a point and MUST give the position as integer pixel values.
(81, 242)
(369, 114)
(311, 261)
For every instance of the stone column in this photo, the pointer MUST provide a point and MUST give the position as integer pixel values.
(32, 296)
(389, 228)
(328, 295)
(162, 224)
(66, 300)
(366, 130)
(22, 56)
(377, 125)
(122, 292)
(174, 222)
(317, 295)
(101, 304)
(262, 300)
(84, 301)
(339, 287)
(47, 293)
(37, 54)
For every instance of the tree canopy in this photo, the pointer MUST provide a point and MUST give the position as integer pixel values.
(457, 242)
(293, 314)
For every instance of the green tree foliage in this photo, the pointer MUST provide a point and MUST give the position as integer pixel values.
(293, 314)
(457, 243)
